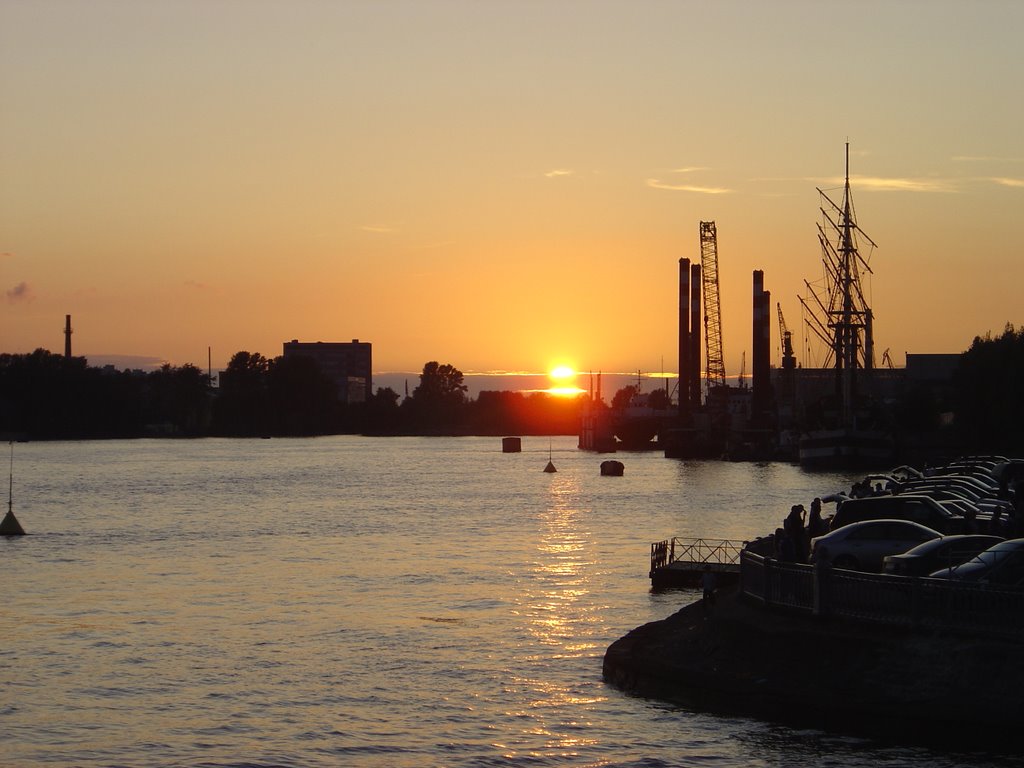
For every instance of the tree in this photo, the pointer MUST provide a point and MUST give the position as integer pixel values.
(440, 384)
(179, 397)
(379, 415)
(244, 401)
(439, 399)
(659, 399)
(303, 399)
(988, 383)
(623, 396)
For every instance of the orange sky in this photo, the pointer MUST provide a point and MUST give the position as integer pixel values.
(496, 185)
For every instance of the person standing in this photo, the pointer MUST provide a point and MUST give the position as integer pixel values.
(794, 528)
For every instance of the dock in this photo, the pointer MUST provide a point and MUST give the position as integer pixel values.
(679, 562)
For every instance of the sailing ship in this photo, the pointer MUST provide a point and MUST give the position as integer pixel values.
(841, 317)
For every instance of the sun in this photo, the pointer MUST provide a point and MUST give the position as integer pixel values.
(562, 373)
(563, 379)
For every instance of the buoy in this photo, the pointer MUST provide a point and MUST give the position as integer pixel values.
(10, 525)
(612, 468)
(551, 466)
(511, 445)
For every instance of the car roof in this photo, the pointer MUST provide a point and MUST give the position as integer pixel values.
(861, 524)
(946, 541)
(1008, 545)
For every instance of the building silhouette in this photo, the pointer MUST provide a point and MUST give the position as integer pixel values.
(347, 364)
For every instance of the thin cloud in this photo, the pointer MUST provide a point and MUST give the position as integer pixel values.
(21, 292)
(196, 284)
(559, 172)
(377, 230)
(1006, 182)
(902, 185)
(658, 184)
(986, 159)
(689, 169)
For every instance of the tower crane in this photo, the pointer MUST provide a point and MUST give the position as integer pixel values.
(788, 358)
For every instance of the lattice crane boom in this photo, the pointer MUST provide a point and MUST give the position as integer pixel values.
(715, 372)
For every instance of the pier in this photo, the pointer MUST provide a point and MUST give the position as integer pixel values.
(679, 562)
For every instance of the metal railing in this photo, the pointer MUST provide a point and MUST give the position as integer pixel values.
(698, 551)
(896, 600)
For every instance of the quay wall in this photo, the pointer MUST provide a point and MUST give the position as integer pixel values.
(750, 658)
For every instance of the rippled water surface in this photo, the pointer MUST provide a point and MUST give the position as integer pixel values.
(365, 602)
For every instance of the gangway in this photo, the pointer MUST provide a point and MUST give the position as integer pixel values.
(680, 561)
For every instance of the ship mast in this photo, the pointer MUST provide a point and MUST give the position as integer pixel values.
(845, 317)
(847, 329)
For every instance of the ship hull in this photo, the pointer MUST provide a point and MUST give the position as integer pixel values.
(846, 449)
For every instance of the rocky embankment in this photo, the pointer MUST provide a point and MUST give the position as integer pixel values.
(834, 675)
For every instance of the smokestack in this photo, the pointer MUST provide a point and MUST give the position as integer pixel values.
(67, 337)
(684, 337)
(695, 335)
(761, 346)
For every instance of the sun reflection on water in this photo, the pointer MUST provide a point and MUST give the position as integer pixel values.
(561, 621)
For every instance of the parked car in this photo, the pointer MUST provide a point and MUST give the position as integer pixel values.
(938, 554)
(861, 546)
(1002, 564)
(919, 509)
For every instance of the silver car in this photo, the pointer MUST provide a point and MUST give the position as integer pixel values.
(862, 546)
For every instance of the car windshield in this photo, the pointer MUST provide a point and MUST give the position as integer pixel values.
(993, 555)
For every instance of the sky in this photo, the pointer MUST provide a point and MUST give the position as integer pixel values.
(501, 186)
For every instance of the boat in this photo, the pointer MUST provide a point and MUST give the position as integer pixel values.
(637, 424)
(841, 317)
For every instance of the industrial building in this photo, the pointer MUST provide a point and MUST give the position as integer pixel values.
(348, 364)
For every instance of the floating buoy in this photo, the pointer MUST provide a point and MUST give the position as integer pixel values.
(10, 526)
(551, 466)
(612, 468)
(511, 445)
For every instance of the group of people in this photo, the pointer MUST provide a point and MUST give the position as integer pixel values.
(793, 539)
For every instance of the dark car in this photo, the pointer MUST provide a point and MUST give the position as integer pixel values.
(918, 509)
(1002, 564)
(938, 554)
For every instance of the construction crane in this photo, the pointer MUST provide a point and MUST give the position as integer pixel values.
(788, 358)
(714, 374)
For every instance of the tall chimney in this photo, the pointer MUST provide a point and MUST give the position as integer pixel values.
(684, 338)
(67, 337)
(695, 334)
(757, 338)
(761, 347)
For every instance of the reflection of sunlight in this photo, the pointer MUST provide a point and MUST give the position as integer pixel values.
(563, 626)
(560, 569)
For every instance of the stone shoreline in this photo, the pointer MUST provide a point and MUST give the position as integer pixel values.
(841, 676)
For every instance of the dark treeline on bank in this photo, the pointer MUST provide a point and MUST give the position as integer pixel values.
(48, 396)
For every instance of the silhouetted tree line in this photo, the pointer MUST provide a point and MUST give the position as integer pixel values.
(989, 393)
(48, 396)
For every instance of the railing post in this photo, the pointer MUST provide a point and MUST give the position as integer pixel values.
(820, 574)
(767, 581)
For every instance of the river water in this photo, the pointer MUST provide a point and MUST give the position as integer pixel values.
(352, 601)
